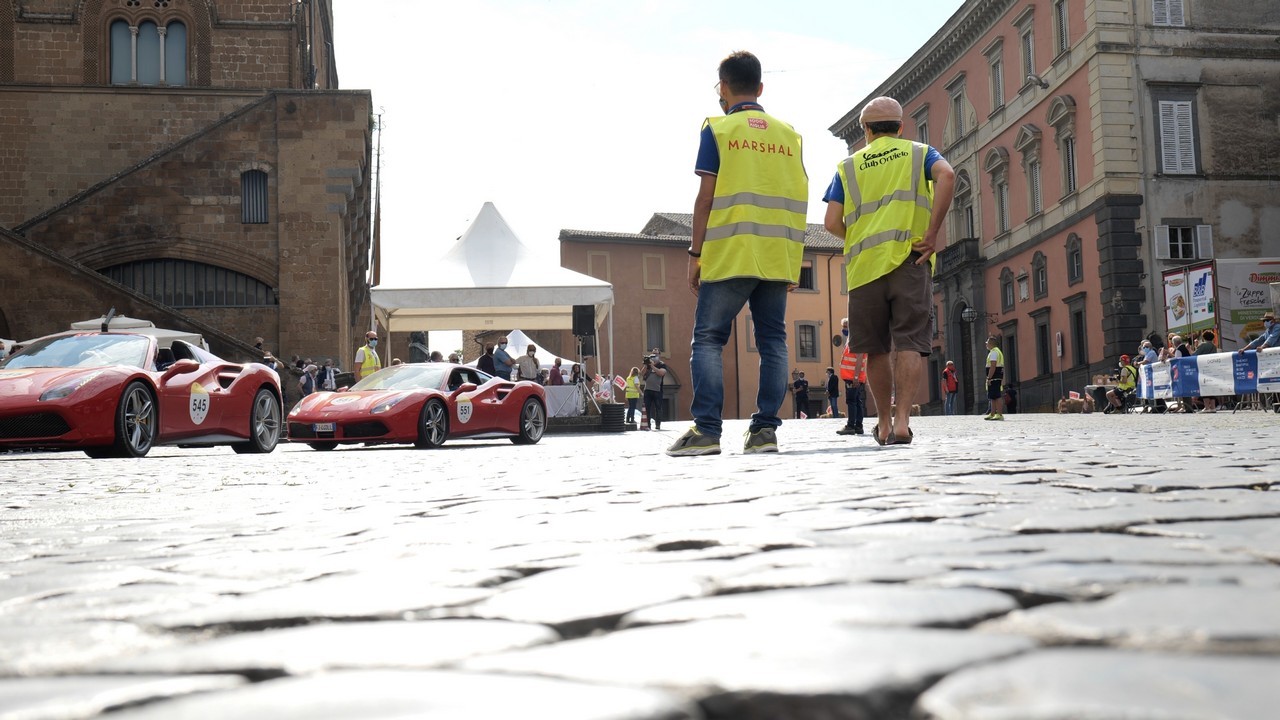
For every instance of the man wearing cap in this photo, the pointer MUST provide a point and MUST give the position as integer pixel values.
(1124, 385)
(749, 223)
(888, 201)
(1270, 336)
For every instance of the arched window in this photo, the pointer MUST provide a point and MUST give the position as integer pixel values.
(148, 53)
(1039, 276)
(185, 283)
(1028, 143)
(1075, 260)
(997, 166)
(1006, 290)
(253, 197)
(1062, 116)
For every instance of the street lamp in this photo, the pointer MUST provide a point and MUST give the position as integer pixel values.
(970, 315)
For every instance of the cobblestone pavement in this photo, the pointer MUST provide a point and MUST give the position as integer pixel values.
(1045, 567)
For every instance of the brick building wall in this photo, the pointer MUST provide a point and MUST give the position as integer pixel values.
(96, 175)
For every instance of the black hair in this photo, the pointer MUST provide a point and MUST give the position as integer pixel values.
(885, 127)
(740, 72)
(1207, 335)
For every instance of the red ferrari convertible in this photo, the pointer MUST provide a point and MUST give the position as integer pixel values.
(120, 393)
(424, 404)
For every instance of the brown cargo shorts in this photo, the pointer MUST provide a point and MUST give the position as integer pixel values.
(893, 311)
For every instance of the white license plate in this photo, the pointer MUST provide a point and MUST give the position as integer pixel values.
(324, 427)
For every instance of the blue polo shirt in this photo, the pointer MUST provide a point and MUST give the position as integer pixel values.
(835, 191)
(708, 162)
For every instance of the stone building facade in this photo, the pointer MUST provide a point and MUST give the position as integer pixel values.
(1084, 133)
(190, 160)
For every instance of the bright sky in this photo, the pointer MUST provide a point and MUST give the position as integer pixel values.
(584, 114)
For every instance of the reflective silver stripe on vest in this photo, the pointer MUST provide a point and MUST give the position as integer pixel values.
(855, 193)
(768, 202)
(749, 228)
(878, 239)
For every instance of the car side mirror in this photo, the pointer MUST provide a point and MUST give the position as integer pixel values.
(465, 387)
(181, 367)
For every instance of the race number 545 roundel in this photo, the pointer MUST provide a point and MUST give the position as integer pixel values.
(199, 403)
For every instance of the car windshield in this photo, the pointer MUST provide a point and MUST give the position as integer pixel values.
(405, 377)
(88, 350)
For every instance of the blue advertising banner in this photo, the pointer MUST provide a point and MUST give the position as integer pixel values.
(1214, 375)
(1184, 374)
(1245, 367)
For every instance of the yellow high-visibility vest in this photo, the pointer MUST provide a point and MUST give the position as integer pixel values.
(887, 203)
(1128, 379)
(371, 362)
(758, 216)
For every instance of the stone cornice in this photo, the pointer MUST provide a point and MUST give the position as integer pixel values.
(952, 40)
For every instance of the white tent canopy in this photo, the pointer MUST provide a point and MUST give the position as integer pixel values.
(489, 280)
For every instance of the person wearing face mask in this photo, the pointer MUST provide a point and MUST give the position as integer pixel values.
(502, 361)
(367, 361)
(1270, 336)
(527, 365)
(327, 377)
(485, 362)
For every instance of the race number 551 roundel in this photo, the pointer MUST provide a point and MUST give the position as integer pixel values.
(198, 406)
(464, 410)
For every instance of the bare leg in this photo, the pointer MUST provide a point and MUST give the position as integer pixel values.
(906, 370)
(880, 382)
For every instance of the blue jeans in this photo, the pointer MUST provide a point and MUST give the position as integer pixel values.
(950, 407)
(718, 304)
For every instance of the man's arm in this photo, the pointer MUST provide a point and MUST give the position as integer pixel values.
(944, 189)
(701, 213)
(834, 221)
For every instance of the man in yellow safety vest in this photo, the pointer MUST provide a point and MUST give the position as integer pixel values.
(749, 223)
(367, 361)
(888, 201)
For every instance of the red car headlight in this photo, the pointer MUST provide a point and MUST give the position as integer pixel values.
(65, 389)
(387, 405)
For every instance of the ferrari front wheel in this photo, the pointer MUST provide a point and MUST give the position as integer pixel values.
(533, 423)
(433, 424)
(136, 421)
(264, 424)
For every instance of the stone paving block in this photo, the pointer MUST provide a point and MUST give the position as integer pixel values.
(353, 596)
(872, 605)
(1215, 619)
(54, 648)
(1256, 538)
(126, 603)
(329, 646)
(1054, 684)
(435, 695)
(578, 600)
(1091, 581)
(767, 669)
(1070, 547)
(86, 696)
(1107, 513)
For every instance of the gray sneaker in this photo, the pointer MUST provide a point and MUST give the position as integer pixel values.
(694, 442)
(761, 441)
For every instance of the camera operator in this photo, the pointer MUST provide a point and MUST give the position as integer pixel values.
(652, 373)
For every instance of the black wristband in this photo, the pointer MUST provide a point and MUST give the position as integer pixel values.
(694, 254)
